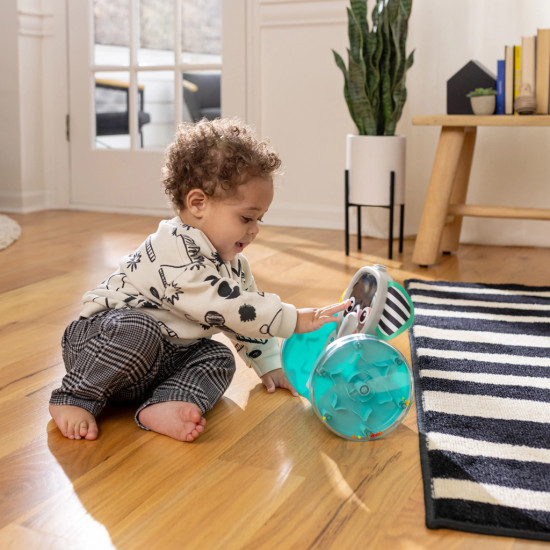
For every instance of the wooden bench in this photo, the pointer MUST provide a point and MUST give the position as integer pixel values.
(444, 207)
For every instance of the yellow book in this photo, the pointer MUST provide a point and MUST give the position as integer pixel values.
(517, 71)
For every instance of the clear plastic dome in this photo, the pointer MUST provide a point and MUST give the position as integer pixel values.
(360, 387)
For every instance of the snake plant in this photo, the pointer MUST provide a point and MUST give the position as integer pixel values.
(374, 80)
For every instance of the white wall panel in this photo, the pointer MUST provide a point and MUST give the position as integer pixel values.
(34, 99)
(10, 132)
(299, 107)
(510, 166)
(295, 97)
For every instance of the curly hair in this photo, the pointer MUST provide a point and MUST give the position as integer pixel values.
(216, 156)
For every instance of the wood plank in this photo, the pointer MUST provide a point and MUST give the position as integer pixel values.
(492, 211)
(15, 537)
(266, 473)
(261, 492)
(478, 120)
(451, 232)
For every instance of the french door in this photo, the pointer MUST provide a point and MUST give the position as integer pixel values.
(130, 64)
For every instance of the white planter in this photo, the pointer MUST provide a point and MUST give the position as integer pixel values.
(483, 104)
(370, 161)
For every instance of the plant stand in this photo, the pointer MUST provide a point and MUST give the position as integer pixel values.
(389, 206)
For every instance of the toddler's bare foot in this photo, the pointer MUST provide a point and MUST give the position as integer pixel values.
(177, 419)
(74, 422)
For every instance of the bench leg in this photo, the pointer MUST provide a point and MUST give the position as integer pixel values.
(451, 232)
(434, 214)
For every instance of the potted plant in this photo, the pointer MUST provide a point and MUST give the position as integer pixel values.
(375, 93)
(483, 100)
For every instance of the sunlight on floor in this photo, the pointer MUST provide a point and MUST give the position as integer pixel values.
(69, 520)
(340, 485)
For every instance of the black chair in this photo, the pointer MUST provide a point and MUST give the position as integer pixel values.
(203, 100)
(112, 106)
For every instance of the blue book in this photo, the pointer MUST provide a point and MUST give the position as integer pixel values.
(500, 87)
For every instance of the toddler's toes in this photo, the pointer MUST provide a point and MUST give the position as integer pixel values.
(92, 431)
(193, 434)
(69, 431)
(74, 422)
(76, 429)
(195, 416)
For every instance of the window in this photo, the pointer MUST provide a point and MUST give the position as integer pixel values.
(141, 50)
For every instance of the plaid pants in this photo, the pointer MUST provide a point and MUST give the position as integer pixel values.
(121, 356)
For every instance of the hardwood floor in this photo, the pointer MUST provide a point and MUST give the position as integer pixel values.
(265, 473)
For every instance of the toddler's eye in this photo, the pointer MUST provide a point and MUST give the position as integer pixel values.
(246, 220)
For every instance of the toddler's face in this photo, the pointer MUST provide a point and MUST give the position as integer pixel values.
(232, 223)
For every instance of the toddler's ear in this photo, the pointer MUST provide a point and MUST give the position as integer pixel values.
(195, 202)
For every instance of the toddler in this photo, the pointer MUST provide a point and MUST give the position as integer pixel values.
(144, 334)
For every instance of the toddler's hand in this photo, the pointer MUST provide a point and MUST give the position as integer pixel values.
(310, 319)
(277, 379)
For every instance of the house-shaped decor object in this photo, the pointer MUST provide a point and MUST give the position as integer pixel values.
(473, 75)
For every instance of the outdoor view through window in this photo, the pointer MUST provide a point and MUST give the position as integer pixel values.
(163, 66)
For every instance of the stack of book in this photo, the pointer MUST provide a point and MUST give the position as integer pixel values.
(525, 63)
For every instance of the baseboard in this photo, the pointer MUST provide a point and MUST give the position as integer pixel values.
(23, 203)
(374, 221)
(288, 215)
(162, 213)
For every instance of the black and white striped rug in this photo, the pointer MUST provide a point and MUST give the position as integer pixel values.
(481, 358)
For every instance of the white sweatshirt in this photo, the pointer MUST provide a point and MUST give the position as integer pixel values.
(177, 277)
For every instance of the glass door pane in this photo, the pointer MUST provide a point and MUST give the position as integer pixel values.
(169, 53)
(202, 94)
(201, 28)
(156, 108)
(111, 32)
(111, 99)
(201, 57)
(156, 32)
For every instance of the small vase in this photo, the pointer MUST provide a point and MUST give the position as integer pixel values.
(526, 102)
(483, 104)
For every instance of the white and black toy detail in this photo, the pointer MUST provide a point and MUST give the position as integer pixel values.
(379, 306)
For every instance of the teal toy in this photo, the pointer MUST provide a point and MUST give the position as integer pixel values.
(359, 385)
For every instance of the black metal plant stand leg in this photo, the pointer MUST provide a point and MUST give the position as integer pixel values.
(391, 218)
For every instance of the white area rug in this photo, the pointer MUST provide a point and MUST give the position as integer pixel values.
(9, 231)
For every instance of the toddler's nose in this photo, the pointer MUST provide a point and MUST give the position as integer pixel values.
(254, 229)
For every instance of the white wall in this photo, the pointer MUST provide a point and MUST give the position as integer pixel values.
(282, 77)
(510, 165)
(10, 150)
(33, 95)
(296, 99)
